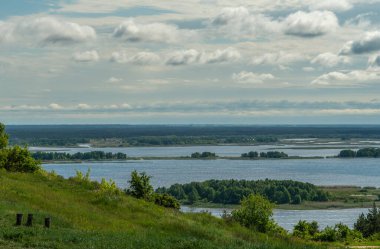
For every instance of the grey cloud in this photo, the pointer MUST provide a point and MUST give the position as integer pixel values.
(368, 43)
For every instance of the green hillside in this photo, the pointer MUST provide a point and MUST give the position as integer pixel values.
(80, 221)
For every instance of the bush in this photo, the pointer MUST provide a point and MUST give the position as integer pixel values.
(166, 200)
(305, 230)
(140, 188)
(108, 192)
(255, 213)
(17, 159)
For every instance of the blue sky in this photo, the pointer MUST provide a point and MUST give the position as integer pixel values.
(193, 61)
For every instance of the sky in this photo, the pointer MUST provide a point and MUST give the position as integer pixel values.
(190, 62)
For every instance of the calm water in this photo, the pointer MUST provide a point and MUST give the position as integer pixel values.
(288, 218)
(359, 172)
(291, 150)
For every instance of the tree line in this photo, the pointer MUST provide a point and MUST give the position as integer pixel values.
(233, 191)
(269, 154)
(93, 155)
(365, 152)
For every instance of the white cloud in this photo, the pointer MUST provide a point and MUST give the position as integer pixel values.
(184, 57)
(251, 78)
(153, 32)
(141, 58)
(83, 106)
(55, 106)
(278, 59)
(330, 60)
(45, 30)
(310, 24)
(193, 56)
(368, 43)
(238, 21)
(114, 80)
(87, 56)
(332, 5)
(346, 78)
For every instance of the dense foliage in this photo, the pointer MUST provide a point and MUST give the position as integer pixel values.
(339, 232)
(369, 224)
(255, 213)
(203, 155)
(140, 187)
(269, 154)
(233, 191)
(365, 152)
(93, 155)
(15, 159)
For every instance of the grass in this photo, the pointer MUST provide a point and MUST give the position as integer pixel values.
(78, 221)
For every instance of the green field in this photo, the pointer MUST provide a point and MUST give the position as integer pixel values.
(79, 221)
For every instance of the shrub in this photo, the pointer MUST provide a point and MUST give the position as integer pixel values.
(255, 213)
(166, 200)
(139, 186)
(17, 159)
(305, 230)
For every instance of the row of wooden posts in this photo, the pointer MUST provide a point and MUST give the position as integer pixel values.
(29, 221)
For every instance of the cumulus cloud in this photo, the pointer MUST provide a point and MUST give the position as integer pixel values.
(310, 24)
(193, 56)
(153, 32)
(346, 78)
(45, 30)
(332, 5)
(330, 60)
(251, 78)
(141, 58)
(238, 21)
(278, 59)
(87, 56)
(368, 43)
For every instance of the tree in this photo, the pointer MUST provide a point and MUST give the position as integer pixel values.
(255, 213)
(370, 224)
(139, 185)
(19, 160)
(3, 137)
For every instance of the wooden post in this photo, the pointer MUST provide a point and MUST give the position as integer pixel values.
(47, 222)
(18, 219)
(29, 222)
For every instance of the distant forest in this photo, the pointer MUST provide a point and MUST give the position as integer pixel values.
(162, 135)
(93, 155)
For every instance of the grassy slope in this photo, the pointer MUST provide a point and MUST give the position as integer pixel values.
(79, 223)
